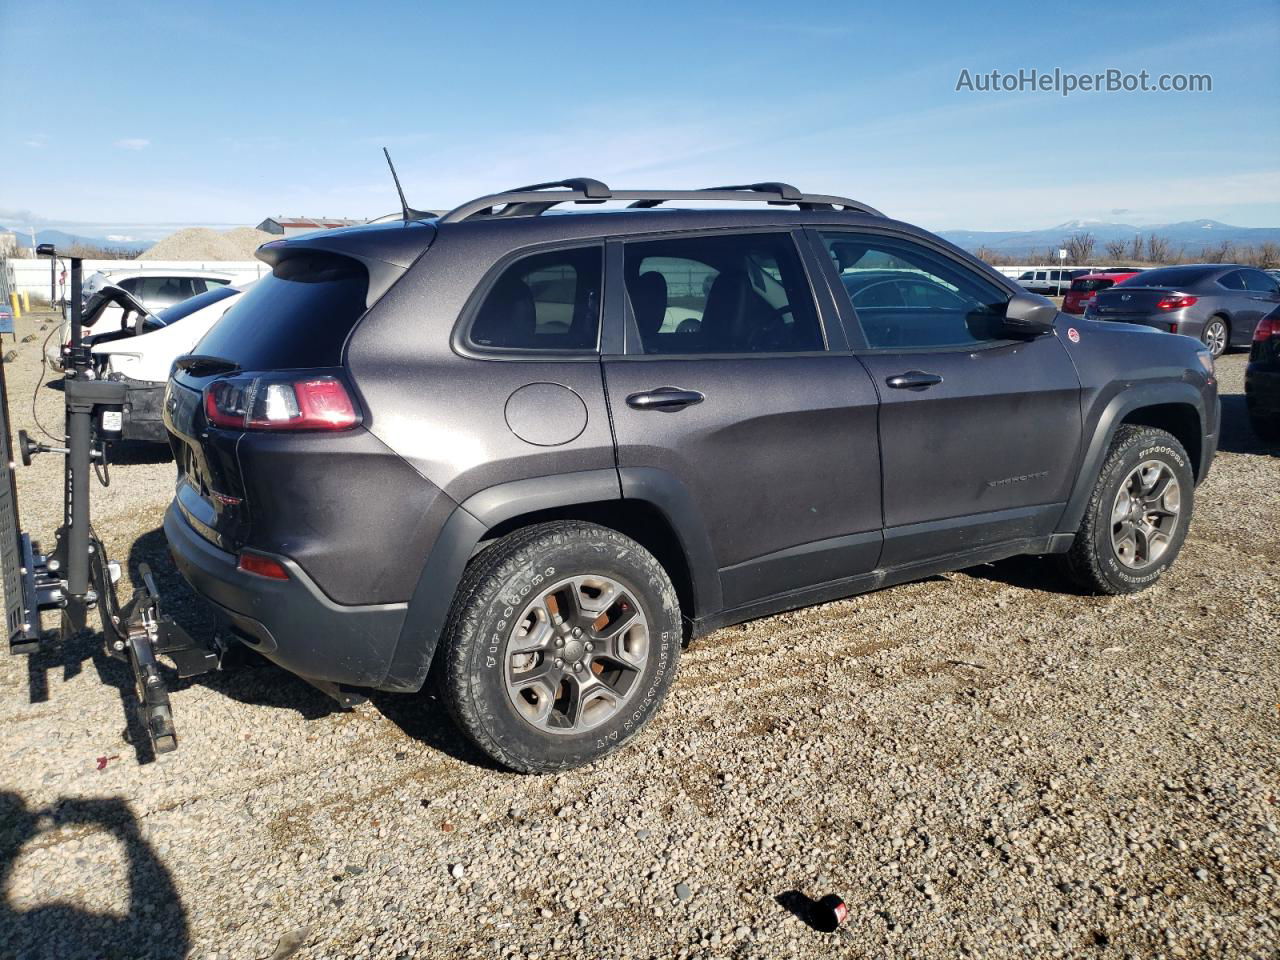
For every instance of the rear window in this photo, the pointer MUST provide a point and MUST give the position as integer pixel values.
(1089, 285)
(186, 308)
(1167, 277)
(297, 316)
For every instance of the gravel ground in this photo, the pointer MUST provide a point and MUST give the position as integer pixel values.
(982, 764)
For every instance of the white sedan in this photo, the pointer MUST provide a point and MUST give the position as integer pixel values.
(142, 358)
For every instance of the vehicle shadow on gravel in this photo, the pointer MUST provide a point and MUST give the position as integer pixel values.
(1237, 435)
(1028, 573)
(423, 717)
(156, 922)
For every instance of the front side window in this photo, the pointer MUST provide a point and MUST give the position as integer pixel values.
(547, 301)
(726, 294)
(907, 296)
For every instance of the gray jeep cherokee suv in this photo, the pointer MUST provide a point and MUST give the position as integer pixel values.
(540, 451)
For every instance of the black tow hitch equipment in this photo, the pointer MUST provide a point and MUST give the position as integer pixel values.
(76, 575)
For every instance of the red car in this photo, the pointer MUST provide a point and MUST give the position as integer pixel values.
(1083, 289)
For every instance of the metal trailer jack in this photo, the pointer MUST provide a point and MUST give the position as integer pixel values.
(77, 575)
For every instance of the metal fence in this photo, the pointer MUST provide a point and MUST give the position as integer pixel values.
(6, 278)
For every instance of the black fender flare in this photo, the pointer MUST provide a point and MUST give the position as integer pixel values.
(471, 520)
(1113, 413)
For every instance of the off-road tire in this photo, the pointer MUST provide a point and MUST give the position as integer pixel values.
(1092, 561)
(498, 584)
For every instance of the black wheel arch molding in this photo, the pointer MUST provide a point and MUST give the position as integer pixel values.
(1129, 406)
(486, 515)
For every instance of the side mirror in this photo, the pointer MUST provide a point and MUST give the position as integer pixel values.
(1028, 316)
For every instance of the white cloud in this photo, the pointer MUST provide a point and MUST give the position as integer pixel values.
(36, 141)
(132, 143)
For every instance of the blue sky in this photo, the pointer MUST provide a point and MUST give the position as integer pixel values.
(231, 112)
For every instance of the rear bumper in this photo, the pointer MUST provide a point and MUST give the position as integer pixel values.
(1262, 389)
(1168, 322)
(291, 622)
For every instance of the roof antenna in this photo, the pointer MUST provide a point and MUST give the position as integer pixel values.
(404, 204)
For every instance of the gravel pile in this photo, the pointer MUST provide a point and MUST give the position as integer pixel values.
(980, 765)
(201, 243)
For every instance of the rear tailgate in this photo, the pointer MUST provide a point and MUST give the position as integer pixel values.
(298, 318)
(209, 492)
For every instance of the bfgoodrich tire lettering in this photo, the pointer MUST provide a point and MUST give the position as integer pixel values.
(1145, 481)
(487, 621)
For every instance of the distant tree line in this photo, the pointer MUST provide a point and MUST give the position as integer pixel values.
(1151, 250)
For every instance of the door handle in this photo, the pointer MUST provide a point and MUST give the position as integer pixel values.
(914, 380)
(664, 398)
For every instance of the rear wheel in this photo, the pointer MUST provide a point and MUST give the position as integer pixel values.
(1216, 335)
(561, 645)
(1136, 520)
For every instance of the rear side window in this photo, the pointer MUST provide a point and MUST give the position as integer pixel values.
(548, 301)
(1232, 281)
(736, 293)
(297, 316)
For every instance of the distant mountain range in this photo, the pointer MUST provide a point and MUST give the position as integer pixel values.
(62, 239)
(1190, 235)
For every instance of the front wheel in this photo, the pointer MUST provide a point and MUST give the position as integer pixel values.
(1215, 336)
(1137, 519)
(562, 643)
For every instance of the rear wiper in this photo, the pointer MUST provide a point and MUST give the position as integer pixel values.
(199, 363)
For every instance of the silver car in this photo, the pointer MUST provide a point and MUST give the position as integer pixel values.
(1220, 304)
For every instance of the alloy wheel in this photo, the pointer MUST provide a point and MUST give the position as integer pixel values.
(1145, 514)
(1215, 337)
(576, 654)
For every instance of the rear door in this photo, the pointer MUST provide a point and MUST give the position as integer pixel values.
(979, 435)
(732, 388)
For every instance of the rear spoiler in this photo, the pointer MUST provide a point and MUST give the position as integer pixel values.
(386, 250)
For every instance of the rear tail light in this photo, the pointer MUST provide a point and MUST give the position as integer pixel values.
(278, 402)
(1175, 303)
(1267, 328)
(256, 563)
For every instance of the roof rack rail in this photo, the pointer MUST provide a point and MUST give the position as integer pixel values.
(540, 197)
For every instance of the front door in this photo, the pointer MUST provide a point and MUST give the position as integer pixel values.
(730, 386)
(979, 435)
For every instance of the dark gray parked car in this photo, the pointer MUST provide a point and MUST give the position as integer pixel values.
(1218, 304)
(533, 454)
